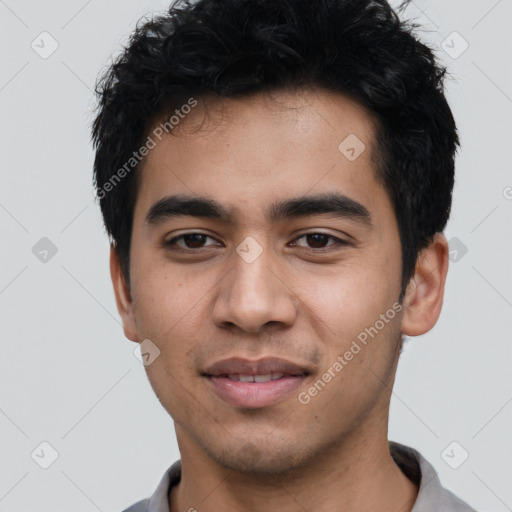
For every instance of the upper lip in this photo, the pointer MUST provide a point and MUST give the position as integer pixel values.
(265, 366)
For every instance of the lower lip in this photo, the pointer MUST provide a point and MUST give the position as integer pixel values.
(254, 395)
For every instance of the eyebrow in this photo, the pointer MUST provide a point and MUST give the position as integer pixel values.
(338, 205)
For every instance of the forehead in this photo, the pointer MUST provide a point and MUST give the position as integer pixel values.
(248, 150)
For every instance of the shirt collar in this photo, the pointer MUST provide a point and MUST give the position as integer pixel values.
(432, 496)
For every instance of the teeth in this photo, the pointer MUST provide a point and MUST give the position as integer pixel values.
(262, 378)
(255, 378)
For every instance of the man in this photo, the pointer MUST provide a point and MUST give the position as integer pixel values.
(275, 177)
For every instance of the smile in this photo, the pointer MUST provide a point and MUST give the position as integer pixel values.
(254, 391)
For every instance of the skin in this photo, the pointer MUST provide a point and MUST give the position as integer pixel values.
(203, 306)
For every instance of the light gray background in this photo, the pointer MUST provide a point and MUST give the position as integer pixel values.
(69, 377)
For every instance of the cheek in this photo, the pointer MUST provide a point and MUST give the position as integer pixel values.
(361, 326)
(170, 310)
(160, 292)
(347, 300)
(167, 312)
(159, 298)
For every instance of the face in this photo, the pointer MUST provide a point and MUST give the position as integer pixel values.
(283, 291)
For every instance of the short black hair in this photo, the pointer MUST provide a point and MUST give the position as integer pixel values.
(236, 48)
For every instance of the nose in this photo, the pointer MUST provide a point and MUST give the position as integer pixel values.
(255, 294)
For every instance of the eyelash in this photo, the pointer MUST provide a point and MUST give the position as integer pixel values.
(338, 241)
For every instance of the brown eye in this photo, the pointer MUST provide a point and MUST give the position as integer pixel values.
(191, 240)
(319, 240)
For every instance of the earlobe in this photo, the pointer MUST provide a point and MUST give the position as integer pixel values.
(123, 297)
(424, 296)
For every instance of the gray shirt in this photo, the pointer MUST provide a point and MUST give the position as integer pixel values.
(432, 496)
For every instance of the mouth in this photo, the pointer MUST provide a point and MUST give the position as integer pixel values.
(254, 384)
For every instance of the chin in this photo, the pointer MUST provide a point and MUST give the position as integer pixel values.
(259, 459)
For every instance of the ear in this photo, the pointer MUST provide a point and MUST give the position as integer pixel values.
(123, 296)
(424, 295)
